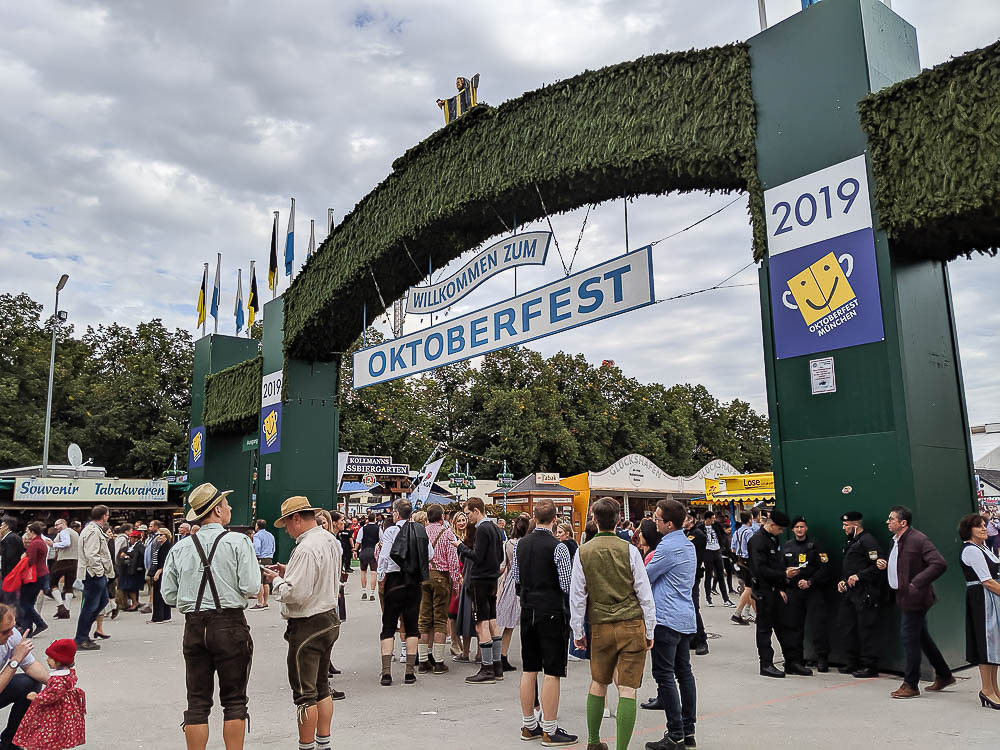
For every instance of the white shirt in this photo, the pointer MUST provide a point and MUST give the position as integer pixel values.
(973, 557)
(6, 649)
(311, 583)
(385, 563)
(640, 583)
(891, 570)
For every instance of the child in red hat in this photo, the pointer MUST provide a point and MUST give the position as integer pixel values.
(55, 718)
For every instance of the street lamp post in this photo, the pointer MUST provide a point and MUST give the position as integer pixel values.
(57, 320)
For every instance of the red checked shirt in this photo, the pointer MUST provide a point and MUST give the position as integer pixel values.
(445, 558)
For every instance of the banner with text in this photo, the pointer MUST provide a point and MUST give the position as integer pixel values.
(611, 288)
(37, 489)
(528, 249)
(419, 496)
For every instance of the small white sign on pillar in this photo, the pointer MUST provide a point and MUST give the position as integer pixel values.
(822, 376)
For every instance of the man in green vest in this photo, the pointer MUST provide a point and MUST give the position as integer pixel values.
(610, 586)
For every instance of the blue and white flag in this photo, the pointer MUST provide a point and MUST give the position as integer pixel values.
(217, 290)
(290, 242)
(238, 312)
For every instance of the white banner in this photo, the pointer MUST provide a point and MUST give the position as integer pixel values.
(611, 288)
(419, 495)
(92, 491)
(270, 389)
(528, 249)
(341, 466)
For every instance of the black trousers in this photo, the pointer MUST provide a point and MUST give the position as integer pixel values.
(916, 638)
(806, 608)
(700, 638)
(858, 626)
(771, 618)
(714, 566)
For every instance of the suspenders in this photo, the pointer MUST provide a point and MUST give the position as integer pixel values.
(206, 576)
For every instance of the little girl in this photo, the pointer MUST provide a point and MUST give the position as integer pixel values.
(54, 720)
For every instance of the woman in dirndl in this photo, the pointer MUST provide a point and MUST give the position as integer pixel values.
(508, 602)
(982, 606)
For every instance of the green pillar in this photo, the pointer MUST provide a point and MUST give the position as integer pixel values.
(306, 463)
(895, 431)
(224, 464)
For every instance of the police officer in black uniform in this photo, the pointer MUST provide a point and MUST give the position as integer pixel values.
(859, 586)
(770, 579)
(807, 562)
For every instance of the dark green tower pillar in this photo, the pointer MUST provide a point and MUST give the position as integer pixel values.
(895, 431)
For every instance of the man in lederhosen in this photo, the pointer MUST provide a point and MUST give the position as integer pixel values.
(208, 577)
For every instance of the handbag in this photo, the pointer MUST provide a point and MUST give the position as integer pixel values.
(12, 581)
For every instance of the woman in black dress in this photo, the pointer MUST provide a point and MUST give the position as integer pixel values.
(133, 570)
(982, 606)
(161, 610)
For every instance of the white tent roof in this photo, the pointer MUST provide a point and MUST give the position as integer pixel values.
(635, 473)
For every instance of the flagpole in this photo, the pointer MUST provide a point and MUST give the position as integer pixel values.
(274, 249)
(204, 286)
(248, 299)
(239, 298)
(329, 222)
(218, 286)
(762, 12)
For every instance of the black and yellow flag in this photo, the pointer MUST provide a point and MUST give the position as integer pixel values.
(202, 293)
(253, 301)
(272, 265)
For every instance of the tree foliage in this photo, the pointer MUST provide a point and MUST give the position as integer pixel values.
(122, 394)
(557, 414)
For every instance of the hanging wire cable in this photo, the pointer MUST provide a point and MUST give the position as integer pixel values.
(505, 227)
(385, 308)
(554, 238)
(720, 285)
(408, 255)
(701, 220)
(579, 238)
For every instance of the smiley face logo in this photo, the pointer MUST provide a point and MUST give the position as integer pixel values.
(270, 428)
(196, 445)
(821, 288)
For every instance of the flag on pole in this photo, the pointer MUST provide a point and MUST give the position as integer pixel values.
(290, 242)
(217, 291)
(419, 496)
(202, 296)
(312, 239)
(272, 265)
(253, 301)
(238, 312)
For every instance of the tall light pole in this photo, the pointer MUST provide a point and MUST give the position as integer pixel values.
(57, 320)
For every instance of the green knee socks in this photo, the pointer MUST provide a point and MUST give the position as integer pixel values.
(595, 712)
(626, 721)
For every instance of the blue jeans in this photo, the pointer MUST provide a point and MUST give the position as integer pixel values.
(95, 598)
(674, 680)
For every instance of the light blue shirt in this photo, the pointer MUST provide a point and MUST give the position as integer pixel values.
(263, 544)
(671, 573)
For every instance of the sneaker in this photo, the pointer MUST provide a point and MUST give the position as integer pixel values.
(739, 620)
(708, 603)
(728, 603)
(337, 695)
(88, 646)
(531, 734)
(665, 743)
(461, 658)
(558, 738)
(259, 606)
(364, 596)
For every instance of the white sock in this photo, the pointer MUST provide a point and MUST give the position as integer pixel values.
(322, 743)
(549, 727)
(438, 651)
(57, 596)
(529, 722)
(307, 746)
(422, 651)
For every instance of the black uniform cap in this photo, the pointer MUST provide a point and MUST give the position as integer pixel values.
(852, 515)
(779, 518)
(798, 519)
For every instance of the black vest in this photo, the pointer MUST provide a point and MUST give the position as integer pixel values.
(539, 577)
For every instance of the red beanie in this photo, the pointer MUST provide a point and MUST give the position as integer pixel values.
(62, 651)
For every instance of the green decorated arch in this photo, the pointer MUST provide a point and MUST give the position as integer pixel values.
(839, 80)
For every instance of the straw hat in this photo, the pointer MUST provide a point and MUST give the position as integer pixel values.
(297, 504)
(202, 499)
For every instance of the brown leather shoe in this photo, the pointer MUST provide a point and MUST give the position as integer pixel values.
(940, 683)
(905, 691)
(597, 746)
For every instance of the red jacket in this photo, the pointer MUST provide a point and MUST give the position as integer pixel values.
(918, 564)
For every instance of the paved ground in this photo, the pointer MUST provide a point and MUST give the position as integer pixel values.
(135, 696)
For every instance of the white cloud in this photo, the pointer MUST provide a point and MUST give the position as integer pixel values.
(139, 139)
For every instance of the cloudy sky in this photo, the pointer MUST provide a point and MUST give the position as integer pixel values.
(138, 139)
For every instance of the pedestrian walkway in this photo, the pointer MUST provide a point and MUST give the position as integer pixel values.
(135, 696)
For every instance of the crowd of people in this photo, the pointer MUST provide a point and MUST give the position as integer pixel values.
(453, 578)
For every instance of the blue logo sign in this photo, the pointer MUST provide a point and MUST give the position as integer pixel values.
(196, 448)
(270, 429)
(825, 296)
